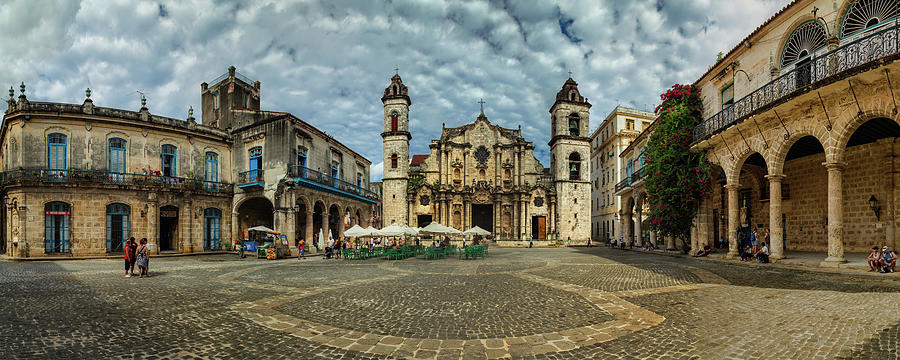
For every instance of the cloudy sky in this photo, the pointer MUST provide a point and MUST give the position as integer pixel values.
(328, 61)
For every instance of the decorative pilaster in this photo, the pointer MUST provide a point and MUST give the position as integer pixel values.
(733, 222)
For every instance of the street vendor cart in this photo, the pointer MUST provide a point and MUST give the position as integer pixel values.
(267, 243)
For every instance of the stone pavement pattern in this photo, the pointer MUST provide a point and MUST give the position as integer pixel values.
(517, 303)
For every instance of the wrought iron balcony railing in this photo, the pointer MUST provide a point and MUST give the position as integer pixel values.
(848, 56)
(302, 172)
(638, 175)
(78, 176)
(624, 184)
(251, 178)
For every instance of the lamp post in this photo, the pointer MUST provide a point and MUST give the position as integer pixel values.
(873, 204)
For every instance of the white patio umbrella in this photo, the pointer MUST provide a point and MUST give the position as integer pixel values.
(321, 240)
(435, 228)
(355, 231)
(477, 230)
(262, 228)
(392, 230)
(411, 231)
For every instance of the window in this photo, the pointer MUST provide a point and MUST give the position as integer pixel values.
(117, 155)
(393, 161)
(56, 227)
(645, 125)
(246, 100)
(301, 160)
(394, 121)
(574, 166)
(727, 96)
(216, 101)
(169, 160)
(56, 153)
(865, 14)
(629, 124)
(212, 229)
(335, 172)
(116, 226)
(359, 182)
(212, 167)
(803, 42)
(255, 164)
(481, 155)
(574, 124)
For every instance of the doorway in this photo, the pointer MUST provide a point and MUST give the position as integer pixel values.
(539, 227)
(483, 216)
(168, 227)
(423, 220)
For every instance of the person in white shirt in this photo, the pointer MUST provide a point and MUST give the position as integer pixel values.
(762, 255)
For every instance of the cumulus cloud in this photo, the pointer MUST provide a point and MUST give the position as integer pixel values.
(328, 61)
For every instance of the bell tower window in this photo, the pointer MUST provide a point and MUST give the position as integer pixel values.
(395, 121)
(574, 166)
(574, 125)
(394, 161)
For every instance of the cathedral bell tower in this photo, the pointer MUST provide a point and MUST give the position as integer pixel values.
(570, 149)
(396, 152)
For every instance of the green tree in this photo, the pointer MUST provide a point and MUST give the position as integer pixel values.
(676, 179)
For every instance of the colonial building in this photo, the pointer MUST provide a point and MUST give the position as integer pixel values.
(633, 194)
(801, 123)
(78, 179)
(486, 175)
(608, 170)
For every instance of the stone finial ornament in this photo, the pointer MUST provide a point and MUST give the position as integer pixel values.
(11, 92)
(190, 112)
(143, 101)
(87, 93)
(22, 88)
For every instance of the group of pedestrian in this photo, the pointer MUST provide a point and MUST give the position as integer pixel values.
(136, 254)
(752, 249)
(882, 261)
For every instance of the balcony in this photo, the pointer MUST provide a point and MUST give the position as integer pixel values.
(251, 179)
(104, 177)
(820, 70)
(623, 185)
(324, 182)
(637, 176)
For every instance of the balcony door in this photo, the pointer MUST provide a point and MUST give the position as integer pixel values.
(117, 160)
(255, 164)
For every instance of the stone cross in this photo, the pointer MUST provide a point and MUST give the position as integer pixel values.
(482, 105)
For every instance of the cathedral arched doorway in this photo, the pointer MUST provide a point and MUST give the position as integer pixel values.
(483, 216)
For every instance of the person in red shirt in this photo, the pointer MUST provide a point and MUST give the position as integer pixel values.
(129, 248)
(302, 246)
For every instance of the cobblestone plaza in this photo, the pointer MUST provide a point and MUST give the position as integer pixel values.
(569, 303)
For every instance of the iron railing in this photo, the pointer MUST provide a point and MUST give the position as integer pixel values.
(303, 172)
(625, 183)
(79, 176)
(251, 177)
(858, 52)
(637, 175)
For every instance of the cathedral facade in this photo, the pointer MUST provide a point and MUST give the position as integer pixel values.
(485, 175)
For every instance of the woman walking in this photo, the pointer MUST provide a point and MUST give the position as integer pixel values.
(142, 260)
(129, 249)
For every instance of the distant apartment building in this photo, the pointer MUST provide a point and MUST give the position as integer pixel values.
(614, 134)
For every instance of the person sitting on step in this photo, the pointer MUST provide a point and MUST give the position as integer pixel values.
(889, 259)
(874, 259)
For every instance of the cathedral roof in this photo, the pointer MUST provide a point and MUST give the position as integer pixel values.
(417, 159)
(459, 130)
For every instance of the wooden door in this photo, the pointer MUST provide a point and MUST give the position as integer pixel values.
(541, 227)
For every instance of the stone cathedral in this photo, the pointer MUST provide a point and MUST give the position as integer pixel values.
(486, 175)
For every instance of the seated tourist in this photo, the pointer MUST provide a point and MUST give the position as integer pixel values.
(874, 259)
(705, 252)
(762, 255)
(747, 254)
(888, 259)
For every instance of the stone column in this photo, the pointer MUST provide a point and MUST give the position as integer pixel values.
(236, 233)
(637, 228)
(835, 214)
(153, 224)
(653, 238)
(733, 221)
(325, 226)
(670, 243)
(776, 237)
(309, 231)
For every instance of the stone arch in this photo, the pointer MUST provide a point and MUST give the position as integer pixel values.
(733, 172)
(781, 148)
(847, 128)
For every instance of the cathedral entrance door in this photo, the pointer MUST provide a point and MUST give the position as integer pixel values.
(483, 216)
(423, 220)
(168, 225)
(539, 227)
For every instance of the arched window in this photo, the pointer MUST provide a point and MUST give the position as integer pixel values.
(56, 227)
(212, 229)
(56, 153)
(574, 166)
(457, 175)
(803, 42)
(394, 121)
(394, 161)
(116, 226)
(117, 157)
(255, 164)
(574, 124)
(867, 14)
(169, 160)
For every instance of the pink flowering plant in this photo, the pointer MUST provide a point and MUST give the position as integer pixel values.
(675, 178)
